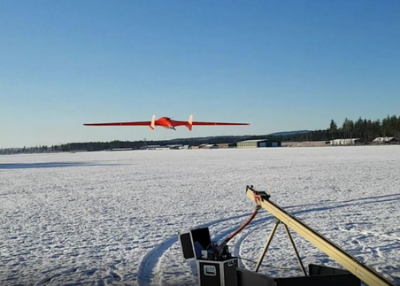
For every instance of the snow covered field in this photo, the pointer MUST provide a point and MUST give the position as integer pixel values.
(113, 217)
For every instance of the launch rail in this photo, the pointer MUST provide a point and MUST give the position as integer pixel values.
(349, 262)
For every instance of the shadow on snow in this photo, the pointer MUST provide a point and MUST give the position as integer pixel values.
(49, 165)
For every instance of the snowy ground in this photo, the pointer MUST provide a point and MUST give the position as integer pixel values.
(113, 217)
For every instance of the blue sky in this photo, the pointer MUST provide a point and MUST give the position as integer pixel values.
(279, 65)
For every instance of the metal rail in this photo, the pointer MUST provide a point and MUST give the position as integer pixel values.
(363, 272)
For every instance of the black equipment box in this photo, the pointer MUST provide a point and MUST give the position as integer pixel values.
(217, 273)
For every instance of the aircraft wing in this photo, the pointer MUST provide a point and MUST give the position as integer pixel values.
(217, 123)
(138, 123)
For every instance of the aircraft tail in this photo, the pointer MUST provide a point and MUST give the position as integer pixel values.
(153, 123)
(189, 124)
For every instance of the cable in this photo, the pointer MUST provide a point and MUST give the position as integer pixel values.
(269, 265)
(244, 225)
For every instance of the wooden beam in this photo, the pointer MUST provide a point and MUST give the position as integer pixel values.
(349, 262)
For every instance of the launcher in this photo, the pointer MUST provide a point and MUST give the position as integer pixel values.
(217, 267)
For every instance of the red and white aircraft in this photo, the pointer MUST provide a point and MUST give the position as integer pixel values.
(165, 122)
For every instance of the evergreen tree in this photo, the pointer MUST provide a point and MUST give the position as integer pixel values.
(333, 126)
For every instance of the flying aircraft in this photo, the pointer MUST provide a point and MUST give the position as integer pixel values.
(165, 122)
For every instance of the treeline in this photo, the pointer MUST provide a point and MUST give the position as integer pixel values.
(27, 150)
(366, 130)
(115, 145)
(76, 147)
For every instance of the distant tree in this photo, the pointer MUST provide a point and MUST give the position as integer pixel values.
(333, 126)
(348, 128)
(333, 129)
(398, 128)
(358, 127)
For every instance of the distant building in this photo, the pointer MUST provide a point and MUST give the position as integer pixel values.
(166, 147)
(259, 143)
(120, 149)
(151, 147)
(162, 148)
(306, 143)
(384, 140)
(178, 146)
(208, 146)
(175, 146)
(345, 142)
(223, 145)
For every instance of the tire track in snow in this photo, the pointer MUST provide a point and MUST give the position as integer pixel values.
(223, 233)
(370, 233)
(152, 258)
(55, 275)
(238, 244)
